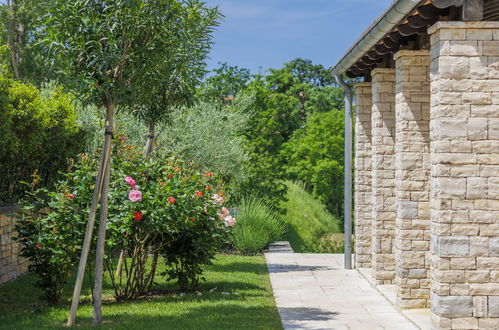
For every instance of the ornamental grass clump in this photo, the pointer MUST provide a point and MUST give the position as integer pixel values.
(158, 206)
(258, 224)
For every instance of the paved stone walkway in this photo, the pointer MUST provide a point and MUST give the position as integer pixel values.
(313, 291)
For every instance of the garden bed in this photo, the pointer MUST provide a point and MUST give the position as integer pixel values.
(236, 295)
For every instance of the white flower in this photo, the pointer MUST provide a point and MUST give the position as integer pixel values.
(217, 199)
(230, 221)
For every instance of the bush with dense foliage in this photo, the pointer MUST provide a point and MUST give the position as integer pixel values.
(258, 224)
(38, 132)
(157, 205)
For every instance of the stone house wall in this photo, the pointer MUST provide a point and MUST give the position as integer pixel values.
(412, 167)
(362, 189)
(434, 176)
(383, 174)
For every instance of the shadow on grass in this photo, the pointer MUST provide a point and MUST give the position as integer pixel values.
(222, 316)
(247, 267)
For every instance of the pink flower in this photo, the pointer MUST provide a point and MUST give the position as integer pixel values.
(135, 196)
(130, 181)
(71, 196)
(229, 221)
(223, 213)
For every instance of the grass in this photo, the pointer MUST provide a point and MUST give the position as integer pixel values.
(236, 295)
(311, 227)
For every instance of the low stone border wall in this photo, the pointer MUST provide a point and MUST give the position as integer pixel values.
(12, 264)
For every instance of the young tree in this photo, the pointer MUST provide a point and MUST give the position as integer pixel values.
(113, 51)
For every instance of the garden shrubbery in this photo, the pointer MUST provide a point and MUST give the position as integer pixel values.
(38, 132)
(157, 205)
(258, 224)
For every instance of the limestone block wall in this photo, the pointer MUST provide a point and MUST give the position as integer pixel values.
(11, 264)
(383, 174)
(412, 167)
(464, 175)
(362, 189)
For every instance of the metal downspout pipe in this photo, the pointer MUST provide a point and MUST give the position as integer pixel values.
(348, 172)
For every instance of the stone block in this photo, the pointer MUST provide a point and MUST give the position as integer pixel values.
(407, 210)
(465, 323)
(451, 306)
(476, 188)
(484, 289)
(493, 246)
(493, 307)
(480, 306)
(451, 246)
(477, 128)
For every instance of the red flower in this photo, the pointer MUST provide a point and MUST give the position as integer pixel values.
(171, 200)
(208, 188)
(169, 176)
(137, 216)
(193, 220)
(199, 194)
(71, 196)
(38, 246)
(209, 174)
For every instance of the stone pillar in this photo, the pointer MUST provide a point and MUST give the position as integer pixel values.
(464, 132)
(383, 174)
(412, 174)
(363, 196)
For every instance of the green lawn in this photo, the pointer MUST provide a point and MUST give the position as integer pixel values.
(236, 295)
(309, 221)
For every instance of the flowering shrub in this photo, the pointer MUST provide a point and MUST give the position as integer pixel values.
(157, 205)
(52, 240)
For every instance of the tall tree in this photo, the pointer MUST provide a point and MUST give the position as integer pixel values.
(225, 82)
(112, 49)
(21, 31)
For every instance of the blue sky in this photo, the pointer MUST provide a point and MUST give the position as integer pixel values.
(268, 33)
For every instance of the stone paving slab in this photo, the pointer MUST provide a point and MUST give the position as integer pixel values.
(419, 316)
(313, 291)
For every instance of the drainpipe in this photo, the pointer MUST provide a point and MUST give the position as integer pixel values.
(348, 171)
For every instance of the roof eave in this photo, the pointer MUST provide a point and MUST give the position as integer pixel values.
(392, 17)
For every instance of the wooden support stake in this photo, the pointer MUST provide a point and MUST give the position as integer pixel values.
(88, 239)
(101, 237)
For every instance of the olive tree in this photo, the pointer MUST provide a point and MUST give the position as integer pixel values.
(181, 71)
(113, 51)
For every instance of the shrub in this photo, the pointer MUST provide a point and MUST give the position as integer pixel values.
(258, 224)
(52, 226)
(156, 205)
(38, 132)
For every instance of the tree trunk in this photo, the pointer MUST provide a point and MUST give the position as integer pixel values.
(104, 161)
(150, 139)
(99, 254)
(15, 39)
